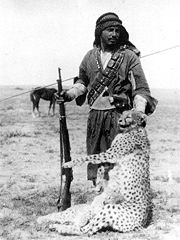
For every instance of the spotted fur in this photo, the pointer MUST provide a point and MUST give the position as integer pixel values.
(125, 204)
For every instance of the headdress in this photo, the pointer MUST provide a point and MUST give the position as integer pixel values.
(107, 20)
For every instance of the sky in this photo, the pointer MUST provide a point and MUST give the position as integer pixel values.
(38, 36)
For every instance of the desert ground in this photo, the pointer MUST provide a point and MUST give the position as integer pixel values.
(29, 167)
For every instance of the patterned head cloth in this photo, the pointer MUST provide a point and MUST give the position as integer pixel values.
(107, 20)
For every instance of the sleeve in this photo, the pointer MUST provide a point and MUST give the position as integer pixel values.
(140, 85)
(77, 89)
(80, 85)
(139, 103)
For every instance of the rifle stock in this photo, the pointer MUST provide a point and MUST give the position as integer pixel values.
(64, 200)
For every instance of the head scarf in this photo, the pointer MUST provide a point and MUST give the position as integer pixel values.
(107, 20)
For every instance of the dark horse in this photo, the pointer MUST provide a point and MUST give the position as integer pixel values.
(43, 93)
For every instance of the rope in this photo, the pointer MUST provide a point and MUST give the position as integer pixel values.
(160, 51)
(17, 95)
(68, 79)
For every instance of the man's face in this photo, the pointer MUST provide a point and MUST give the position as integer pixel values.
(110, 36)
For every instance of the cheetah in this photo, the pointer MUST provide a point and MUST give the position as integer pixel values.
(125, 204)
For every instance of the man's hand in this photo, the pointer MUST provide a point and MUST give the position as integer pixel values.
(63, 97)
(121, 101)
(68, 164)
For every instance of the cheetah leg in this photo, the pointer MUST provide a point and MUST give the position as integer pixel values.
(120, 217)
(66, 229)
(69, 221)
(95, 159)
(59, 217)
(95, 224)
(67, 216)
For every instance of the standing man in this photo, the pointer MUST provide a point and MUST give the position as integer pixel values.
(112, 77)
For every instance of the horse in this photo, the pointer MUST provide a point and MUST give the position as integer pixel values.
(43, 93)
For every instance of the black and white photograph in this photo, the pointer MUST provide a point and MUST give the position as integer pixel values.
(89, 119)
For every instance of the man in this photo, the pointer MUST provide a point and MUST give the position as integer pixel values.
(113, 79)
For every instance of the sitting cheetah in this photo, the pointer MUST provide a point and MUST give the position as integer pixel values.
(125, 204)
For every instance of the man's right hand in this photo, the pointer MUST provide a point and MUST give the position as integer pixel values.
(63, 97)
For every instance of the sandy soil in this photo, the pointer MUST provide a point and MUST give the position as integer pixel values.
(29, 167)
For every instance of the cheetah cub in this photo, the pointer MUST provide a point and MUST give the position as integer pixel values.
(125, 203)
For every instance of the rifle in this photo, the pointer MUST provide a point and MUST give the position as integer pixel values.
(64, 200)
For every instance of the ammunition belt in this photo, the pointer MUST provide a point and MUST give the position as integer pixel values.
(105, 77)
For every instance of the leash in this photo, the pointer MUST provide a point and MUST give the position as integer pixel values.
(160, 51)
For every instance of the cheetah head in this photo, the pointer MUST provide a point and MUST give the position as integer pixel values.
(131, 119)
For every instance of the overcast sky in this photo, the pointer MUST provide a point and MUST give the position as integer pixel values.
(38, 36)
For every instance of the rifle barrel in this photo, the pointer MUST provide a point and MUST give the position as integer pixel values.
(59, 82)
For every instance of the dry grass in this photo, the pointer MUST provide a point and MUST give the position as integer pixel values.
(29, 163)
